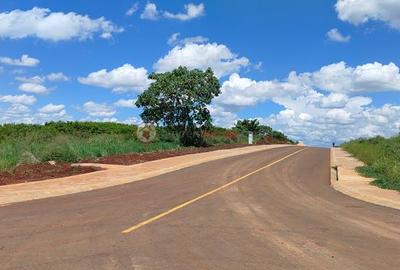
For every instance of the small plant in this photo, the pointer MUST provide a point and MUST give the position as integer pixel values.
(27, 158)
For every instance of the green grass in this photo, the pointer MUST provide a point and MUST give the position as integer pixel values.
(68, 148)
(73, 141)
(381, 157)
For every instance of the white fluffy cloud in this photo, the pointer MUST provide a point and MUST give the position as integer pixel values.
(54, 26)
(24, 61)
(371, 77)
(20, 112)
(305, 119)
(34, 88)
(239, 92)
(337, 125)
(126, 103)
(242, 92)
(217, 56)
(34, 79)
(339, 116)
(36, 85)
(133, 121)
(16, 109)
(334, 100)
(175, 40)
(192, 11)
(53, 77)
(221, 116)
(150, 12)
(335, 35)
(98, 110)
(57, 77)
(361, 11)
(52, 109)
(18, 99)
(122, 79)
(132, 9)
(52, 112)
(310, 115)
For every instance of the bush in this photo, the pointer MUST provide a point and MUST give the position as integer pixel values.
(232, 136)
(167, 135)
(58, 153)
(193, 138)
(217, 136)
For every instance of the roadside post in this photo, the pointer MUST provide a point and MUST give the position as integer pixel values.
(250, 137)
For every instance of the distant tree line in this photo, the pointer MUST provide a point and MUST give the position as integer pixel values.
(253, 125)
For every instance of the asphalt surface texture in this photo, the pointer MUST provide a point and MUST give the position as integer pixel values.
(271, 209)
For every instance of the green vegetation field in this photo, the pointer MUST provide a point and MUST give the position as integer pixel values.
(70, 142)
(75, 141)
(382, 159)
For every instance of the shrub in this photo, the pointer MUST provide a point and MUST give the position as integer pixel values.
(232, 136)
(167, 135)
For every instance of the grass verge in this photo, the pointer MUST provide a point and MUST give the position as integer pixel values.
(381, 157)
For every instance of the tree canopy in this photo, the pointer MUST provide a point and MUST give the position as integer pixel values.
(178, 99)
(247, 125)
(253, 125)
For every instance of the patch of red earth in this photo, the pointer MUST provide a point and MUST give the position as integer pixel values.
(42, 171)
(271, 140)
(135, 158)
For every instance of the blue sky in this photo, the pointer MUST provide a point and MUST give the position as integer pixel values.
(320, 71)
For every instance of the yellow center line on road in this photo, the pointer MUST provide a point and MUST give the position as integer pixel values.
(176, 208)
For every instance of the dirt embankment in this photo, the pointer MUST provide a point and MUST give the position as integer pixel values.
(42, 171)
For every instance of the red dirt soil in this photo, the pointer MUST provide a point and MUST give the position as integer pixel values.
(42, 171)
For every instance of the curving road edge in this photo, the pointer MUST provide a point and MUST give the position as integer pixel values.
(345, 179)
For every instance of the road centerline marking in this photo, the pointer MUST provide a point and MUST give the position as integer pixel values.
(180, 206)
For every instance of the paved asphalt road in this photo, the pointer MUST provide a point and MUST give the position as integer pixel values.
(285, 216)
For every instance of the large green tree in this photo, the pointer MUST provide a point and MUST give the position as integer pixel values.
(178, 100)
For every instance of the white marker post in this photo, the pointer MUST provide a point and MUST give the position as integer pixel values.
(250, 137)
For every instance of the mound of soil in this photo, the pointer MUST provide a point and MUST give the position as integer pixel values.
(135, 158)
(41, 171)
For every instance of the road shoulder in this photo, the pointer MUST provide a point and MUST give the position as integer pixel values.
(114, 175)
(345, 179)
